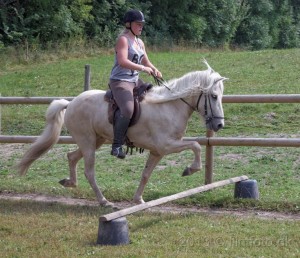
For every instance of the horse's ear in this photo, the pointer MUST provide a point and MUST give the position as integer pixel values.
(208, 66)
(221, 79)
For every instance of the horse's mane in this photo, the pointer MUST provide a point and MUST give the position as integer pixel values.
(190, 84)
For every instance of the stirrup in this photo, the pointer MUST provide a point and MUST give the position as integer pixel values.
(118, 152)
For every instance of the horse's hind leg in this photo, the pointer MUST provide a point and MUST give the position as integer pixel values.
(88, 149)
(73, 158)
(89, 172)
(149, 167)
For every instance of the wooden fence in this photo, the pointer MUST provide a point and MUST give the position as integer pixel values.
(209, 141)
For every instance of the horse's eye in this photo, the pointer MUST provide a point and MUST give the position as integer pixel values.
(214, 96)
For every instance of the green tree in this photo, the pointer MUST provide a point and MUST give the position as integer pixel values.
(223, 17)
(42, 21)
(254, 29)
(107, 19)
(284, 26)
(270, 24)
(256, 24)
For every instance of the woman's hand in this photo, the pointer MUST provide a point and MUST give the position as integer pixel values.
(157, 73)
(152, 71)
(147, 70)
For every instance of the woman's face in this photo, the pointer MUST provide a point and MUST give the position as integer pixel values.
(137, 27)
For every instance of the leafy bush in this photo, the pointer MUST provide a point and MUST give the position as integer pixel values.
(256, 24)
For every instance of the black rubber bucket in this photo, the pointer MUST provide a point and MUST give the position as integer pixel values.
(114, 232)
(246, 189)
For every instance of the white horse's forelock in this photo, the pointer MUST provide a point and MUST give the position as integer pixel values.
(190, 84)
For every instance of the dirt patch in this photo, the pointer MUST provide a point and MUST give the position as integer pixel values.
(8, 150)
(162, 208)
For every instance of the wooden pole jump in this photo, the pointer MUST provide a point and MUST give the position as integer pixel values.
(143, 206)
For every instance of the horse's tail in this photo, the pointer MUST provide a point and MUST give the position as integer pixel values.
(54, 122)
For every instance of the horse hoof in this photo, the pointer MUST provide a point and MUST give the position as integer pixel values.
(189, 171)
(110, 205)
(67, 183)
(138, 201)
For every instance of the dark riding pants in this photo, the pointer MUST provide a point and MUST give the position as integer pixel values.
(123, 95)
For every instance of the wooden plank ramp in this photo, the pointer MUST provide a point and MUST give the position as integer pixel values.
(146, 205)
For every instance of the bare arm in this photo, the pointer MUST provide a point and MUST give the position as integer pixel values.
(146, 62)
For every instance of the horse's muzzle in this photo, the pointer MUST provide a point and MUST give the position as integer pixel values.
(218, 127)
(215, 123)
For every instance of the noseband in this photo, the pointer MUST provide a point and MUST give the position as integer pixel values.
(208, 119)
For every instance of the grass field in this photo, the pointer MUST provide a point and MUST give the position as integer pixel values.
(30, 229)
(72, 231)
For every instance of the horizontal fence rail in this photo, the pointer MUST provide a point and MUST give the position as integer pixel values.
(31, 139)
(278, 98)
(31, 100)
(207, 141)
(237, 141)
(269, 98)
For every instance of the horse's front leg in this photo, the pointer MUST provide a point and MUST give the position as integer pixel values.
(197, 163)
(149, 167)
(179, 146)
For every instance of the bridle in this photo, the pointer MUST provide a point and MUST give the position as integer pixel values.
(208, 119)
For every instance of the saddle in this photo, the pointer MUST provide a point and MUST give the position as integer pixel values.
(138, 96)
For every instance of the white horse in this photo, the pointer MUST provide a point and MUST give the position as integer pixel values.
(165, 112)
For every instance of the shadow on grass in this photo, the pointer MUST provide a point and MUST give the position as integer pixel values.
(28, 207)
(152, 221)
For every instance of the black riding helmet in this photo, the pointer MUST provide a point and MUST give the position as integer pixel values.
(133, 16)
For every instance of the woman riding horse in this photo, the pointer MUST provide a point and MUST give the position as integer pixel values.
(130, 59)
(159, 130)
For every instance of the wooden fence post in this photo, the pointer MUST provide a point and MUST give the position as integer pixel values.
(209, 160)
(87, 77)
(0, 115)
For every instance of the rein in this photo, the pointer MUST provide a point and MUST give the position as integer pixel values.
(162, 82)
(208, 119)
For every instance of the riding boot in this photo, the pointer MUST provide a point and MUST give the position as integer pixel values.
(120, 130)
